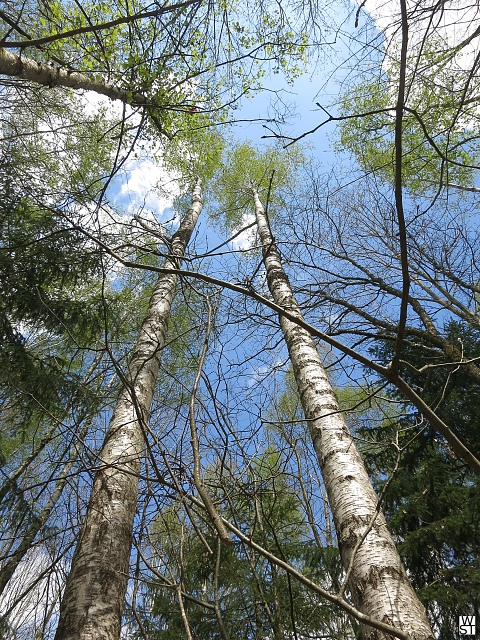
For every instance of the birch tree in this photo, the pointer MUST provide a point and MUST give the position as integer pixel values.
(169, 64)
(54, 371)
(92, 602)
(374, 570)
(179, 66)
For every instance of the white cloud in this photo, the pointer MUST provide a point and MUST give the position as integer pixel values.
(246, 239)
(93, 102)
(453, 22)
(36, 596)
(147, 186)
(144, 183)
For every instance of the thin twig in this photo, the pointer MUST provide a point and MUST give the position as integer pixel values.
(216, 519)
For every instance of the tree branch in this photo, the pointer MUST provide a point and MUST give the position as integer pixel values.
(38, 42)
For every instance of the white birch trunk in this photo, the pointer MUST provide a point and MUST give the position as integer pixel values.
(93, 600)
(51, 75)
(378, 582)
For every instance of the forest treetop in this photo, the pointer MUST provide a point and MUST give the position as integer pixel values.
(166, 408)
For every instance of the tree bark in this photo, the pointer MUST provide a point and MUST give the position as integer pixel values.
(93, 600)
(51, 75)
(377, 579)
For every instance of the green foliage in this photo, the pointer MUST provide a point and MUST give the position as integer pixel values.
(439, 137)
(245, 167)
(256, 599)
(196, 151)
(42, 263)
(43, 298)
(433, 502)
(204, 54)
(41, 365)
(56, 150)
(54, 301)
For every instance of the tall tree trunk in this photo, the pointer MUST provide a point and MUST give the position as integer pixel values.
(377, 579)
(93, 600)
(49, 75)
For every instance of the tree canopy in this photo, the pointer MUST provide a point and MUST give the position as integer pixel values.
(239, 388)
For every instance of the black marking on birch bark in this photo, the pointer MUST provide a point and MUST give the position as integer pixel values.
(348, 541)
(375, 577)
(275, 275)
(326, 410)
(309, 389)
(353, 522)
(333, 453)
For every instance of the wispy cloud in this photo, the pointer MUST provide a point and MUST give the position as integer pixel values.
(146, 187)
(246, 239)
